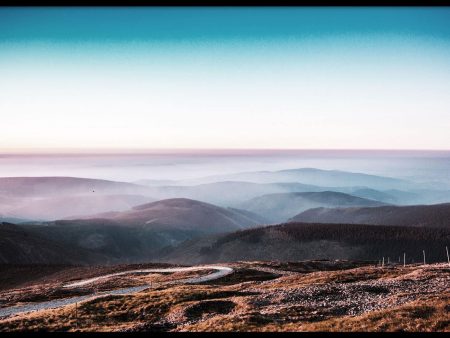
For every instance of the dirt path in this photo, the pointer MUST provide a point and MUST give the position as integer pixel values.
(221, 272)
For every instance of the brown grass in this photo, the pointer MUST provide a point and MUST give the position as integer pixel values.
(426, 315)
(230, 306)
(115, 312)
(340, 276)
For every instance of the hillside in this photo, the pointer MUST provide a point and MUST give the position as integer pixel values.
(110, 241)
(304, 241)
(281, 207)
(94, 241)
(437, 215)
(19, 245)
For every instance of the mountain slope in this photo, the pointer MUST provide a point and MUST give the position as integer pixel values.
(303, 241)
(19, 245)
(437, 215)
(77, 242)
(281, 207)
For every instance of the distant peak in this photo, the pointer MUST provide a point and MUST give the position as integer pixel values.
(171, 202)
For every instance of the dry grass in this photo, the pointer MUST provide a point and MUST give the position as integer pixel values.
(251, 301)
(342, 276)
(115, 312)
(426, 315)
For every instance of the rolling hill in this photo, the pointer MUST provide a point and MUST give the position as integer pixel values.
(184, 214)
(281, 207)
(437, 215)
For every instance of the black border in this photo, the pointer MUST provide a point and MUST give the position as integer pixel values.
(134, 3)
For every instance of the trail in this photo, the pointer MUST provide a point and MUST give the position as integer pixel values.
(56, 303)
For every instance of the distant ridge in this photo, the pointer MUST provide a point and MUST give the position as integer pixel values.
(283, 206)
(313, 176)
(436, 215)
(61, 185)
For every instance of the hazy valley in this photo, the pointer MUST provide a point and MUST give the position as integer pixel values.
(326, 231)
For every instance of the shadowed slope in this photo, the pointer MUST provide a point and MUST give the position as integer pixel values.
(304, 241)
(19, 245)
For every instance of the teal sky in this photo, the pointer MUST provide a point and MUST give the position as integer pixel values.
(120, 24)
(225, 78)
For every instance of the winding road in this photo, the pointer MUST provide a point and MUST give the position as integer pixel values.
(221, 271)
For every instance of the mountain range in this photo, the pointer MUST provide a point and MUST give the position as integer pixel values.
(217, 218)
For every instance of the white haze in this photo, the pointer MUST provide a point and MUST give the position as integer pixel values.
(207, 176)
(420, 166)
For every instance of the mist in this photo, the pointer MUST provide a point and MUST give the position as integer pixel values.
(420, 166)
(60, 186)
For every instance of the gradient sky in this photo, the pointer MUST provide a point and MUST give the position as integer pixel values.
(142, 78)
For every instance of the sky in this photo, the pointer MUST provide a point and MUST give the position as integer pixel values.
(232, 78)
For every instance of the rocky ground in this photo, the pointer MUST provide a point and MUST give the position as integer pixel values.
(260, 296)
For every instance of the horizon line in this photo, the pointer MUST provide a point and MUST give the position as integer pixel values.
(131, 151)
